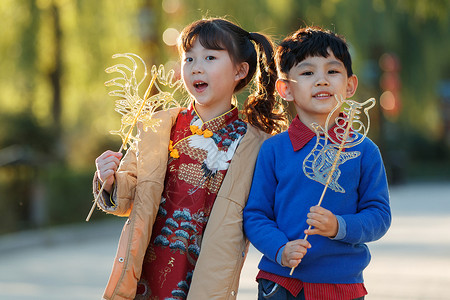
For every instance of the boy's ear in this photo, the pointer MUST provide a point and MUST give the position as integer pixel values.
(241, 71)
(283, 89)
(352, 84)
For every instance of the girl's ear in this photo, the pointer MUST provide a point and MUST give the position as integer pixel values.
(241, 71)
(352, 84)
(283, 89)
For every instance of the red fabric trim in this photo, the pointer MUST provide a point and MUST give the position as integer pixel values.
(317, 291)
(300, 134)
(293, 285)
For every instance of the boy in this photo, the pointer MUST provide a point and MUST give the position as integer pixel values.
(314, 65)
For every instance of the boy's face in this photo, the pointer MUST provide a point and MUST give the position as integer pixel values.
(312, 84)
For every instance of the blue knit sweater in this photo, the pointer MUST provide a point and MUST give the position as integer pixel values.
(281, 196)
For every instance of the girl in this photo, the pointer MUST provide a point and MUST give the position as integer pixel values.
(196, 170)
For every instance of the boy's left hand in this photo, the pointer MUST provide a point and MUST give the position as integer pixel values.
(323, 222)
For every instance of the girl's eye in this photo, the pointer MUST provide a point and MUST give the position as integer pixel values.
(210, 57)
(188, 59)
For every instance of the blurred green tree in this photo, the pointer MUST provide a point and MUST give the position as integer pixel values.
(53, 103)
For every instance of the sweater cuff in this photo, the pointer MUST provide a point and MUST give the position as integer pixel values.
(106, 200)
(280, 254)
(342, 228)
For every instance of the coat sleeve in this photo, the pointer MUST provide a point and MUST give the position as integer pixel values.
(119, 202)
(139, 184)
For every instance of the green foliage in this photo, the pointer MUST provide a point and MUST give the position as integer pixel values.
(55, 108)
(69, 195)
(24, 131)
(15, 198)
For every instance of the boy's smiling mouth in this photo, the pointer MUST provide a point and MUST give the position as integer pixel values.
(322, 95)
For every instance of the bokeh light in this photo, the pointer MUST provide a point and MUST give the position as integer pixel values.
(170, 36)
(171, 6)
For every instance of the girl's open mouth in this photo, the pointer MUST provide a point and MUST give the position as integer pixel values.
(200, 86)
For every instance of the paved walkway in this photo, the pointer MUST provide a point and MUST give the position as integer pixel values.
(73, 262)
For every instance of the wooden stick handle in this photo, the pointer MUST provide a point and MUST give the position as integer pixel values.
(99, 193)
(95, 201)
(318, 204)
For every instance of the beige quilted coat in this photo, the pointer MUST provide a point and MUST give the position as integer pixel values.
(139, 185)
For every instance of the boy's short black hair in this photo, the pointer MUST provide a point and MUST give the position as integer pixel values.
(311, 41)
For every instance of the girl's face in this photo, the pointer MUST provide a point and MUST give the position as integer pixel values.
(210, 77)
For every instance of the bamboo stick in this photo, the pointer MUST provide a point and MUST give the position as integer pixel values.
(125, 141)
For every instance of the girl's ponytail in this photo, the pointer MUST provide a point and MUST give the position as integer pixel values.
(262, 108)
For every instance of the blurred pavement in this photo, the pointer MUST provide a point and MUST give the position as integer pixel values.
(73, 262)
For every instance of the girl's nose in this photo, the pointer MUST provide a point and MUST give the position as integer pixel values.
(197, 68)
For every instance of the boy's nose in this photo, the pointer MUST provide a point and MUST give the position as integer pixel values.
(322, 81)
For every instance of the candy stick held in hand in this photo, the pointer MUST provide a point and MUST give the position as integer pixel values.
(124, 143)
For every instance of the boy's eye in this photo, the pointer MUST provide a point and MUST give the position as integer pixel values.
(333, 71)
(210, 57)
(306, 73)
(188, 59)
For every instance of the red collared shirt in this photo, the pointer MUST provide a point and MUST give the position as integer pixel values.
(300, 135)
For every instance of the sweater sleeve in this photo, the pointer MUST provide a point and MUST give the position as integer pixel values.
(373, 216)
(259, 217)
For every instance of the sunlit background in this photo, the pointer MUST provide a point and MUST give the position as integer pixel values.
(55, 114)
(55, 118)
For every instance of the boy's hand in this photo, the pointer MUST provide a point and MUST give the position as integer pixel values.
(324, 222)
(293, 253)
(107, 165)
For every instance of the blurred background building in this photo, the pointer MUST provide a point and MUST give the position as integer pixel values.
(55, 114)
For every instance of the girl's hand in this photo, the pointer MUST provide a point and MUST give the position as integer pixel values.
(323, 222)
(107, 165)
(293, 253)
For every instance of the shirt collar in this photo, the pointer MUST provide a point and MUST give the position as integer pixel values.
(218, 122)
(300, 134)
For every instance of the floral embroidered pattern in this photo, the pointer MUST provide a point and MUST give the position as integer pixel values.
(180, 234)
(199, 156)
